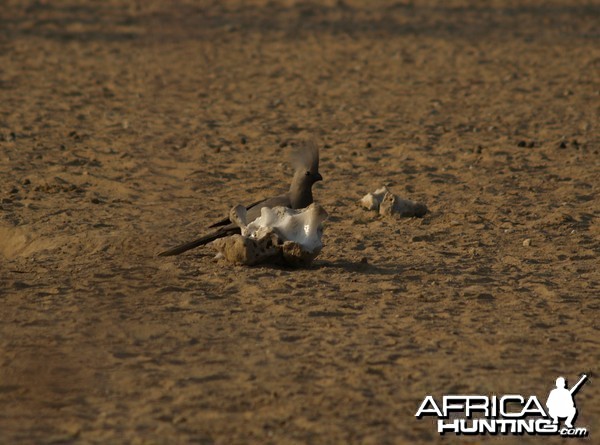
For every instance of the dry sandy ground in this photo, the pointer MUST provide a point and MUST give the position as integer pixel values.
(127, 127)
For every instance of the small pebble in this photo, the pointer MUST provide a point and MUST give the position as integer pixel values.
(527, 243)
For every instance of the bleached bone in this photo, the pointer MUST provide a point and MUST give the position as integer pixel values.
(303, 226)
(394, 205)
(279, 235)
(372, 201)
(386, 203)
(239, 215)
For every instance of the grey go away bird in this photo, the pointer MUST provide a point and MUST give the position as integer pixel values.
(305, 160)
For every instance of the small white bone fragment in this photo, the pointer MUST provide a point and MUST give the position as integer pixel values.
(393, 205)
(372, 201)
(386, 203)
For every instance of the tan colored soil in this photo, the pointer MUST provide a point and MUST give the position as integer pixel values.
(127, 127)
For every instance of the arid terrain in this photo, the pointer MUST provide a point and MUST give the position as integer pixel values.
(127, 127)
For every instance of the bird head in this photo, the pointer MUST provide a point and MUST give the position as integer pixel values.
(305, 160)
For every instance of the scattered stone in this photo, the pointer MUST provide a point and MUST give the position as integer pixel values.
(527, 243)
(562, 144)
(526, 144)
(386, 203)
(485, 297)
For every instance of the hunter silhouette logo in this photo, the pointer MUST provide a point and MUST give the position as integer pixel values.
(561, 403)
(507, 414)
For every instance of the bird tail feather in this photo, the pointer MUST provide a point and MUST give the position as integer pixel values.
(198, 242)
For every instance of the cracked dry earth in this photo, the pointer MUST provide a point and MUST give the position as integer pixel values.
(127, 127)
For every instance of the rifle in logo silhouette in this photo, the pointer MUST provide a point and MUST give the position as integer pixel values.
(579, 384)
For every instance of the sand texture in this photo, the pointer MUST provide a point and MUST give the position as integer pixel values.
(127, 127)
